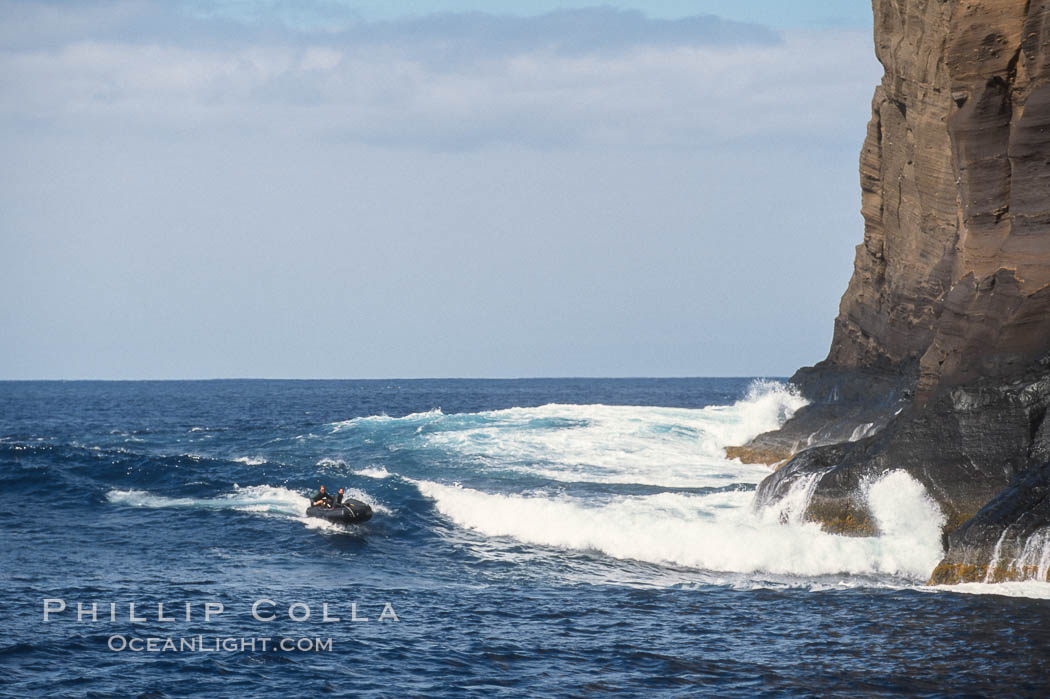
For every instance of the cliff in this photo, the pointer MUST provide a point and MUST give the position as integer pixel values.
(954, 269)
(937, 363)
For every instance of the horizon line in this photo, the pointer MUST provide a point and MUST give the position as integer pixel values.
(394, 378)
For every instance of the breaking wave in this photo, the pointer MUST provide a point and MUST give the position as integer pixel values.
(713, 532)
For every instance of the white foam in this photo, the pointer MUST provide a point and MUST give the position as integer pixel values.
(255, 498)
(1030, 588)
(597, 443)
(380, 419)
(657, 446)
(377, 473)
(250, 460)
(713, 532)
(767, 406)
(140, 498)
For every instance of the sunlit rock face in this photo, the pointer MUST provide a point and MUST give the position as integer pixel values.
(954, 269)
(952, 281)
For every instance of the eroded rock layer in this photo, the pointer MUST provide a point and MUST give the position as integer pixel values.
(955, 181)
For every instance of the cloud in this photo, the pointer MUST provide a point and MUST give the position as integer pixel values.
(446, 82)
(455, 35)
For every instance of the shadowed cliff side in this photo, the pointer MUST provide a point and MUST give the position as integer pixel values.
(936, 360)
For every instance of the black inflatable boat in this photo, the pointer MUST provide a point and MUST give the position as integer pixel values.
(350, 512)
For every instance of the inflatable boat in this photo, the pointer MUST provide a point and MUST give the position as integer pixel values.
(350, 512)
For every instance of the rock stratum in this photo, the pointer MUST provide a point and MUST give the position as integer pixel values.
(939, 358)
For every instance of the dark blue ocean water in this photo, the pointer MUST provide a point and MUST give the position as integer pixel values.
(565, 537)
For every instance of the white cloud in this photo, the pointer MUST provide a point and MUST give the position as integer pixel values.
(443, 83)
(661, 96)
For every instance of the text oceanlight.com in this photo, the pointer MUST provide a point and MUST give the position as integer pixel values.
(262, 610)
(215, 644)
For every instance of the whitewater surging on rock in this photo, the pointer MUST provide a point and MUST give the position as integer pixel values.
(704, 521)
(716, 532)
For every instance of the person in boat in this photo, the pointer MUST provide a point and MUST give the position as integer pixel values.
(339, 497)
(321, 498)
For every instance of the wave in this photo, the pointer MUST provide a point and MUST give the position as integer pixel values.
(713, 532)
(606, 444)
(250, 460)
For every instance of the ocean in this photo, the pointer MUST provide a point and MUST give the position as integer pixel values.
(555, 537)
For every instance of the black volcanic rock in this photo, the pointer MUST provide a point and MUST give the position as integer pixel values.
(1014, 527)
(846, 404)
(965, 447)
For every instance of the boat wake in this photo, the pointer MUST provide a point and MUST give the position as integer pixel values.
(260, 499)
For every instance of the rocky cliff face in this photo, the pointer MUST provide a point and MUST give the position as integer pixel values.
(954, 270)
(941, 341)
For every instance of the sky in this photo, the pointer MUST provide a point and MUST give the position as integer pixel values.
(340, 189)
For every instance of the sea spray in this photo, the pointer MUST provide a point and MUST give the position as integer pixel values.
(907, 516)
(767, 406)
